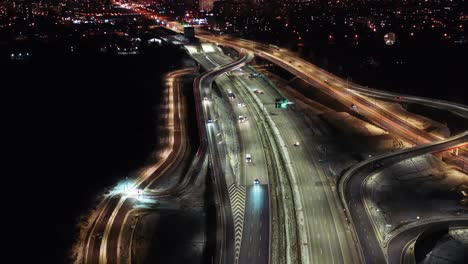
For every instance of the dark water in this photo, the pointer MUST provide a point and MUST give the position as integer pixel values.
(75, 124)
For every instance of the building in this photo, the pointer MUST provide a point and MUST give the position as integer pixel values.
(206, 5)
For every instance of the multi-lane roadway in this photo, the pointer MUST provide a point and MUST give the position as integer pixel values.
(330, 239)
(327, 237)
(256, 228)
(225, 249)
(373, 252)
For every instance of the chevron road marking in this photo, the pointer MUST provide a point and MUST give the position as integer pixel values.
(237, 197)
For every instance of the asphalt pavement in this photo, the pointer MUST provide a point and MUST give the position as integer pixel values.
(251, 143)
(329, 238)
(255, 245)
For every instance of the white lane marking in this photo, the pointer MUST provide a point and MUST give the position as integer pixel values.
(331, 250)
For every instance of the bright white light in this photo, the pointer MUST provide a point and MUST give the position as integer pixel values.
(207, 47)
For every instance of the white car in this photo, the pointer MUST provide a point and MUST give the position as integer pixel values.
(296, 143)
(248, 157)
(258, 91)
(256, 181)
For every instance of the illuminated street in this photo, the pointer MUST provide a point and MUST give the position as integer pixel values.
(238, 131)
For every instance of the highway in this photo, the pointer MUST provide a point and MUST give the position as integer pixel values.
(335, 87)
(458, 109)
(101, 245)
(397, 244)
(331, 241)
(256, 221)
(331, 85)
(373, 112)
(365, 232)
(256, 238)
(328, 83)
(202, 86)
(351, 186)
(328, 240)
(250, 132)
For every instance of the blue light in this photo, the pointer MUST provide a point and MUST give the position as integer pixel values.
(257, 196)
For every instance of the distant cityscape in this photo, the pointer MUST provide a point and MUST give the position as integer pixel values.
(333, 21)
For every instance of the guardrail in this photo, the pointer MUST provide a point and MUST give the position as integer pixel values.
(272, 141)
(221, 189)
(456, 108)
(286, 160)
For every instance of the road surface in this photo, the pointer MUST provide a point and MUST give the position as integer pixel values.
(330, 240)
(352, 184)
(256, 221)
(101, 245)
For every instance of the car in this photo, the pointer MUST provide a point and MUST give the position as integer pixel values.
(296, 143)
(248, 157)
(254, 75)
(231, 95)
(241, 119)
(211, 120)
(353, 106)
(205, 98)
(258, 91)
(240, 104)
(256, 181)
